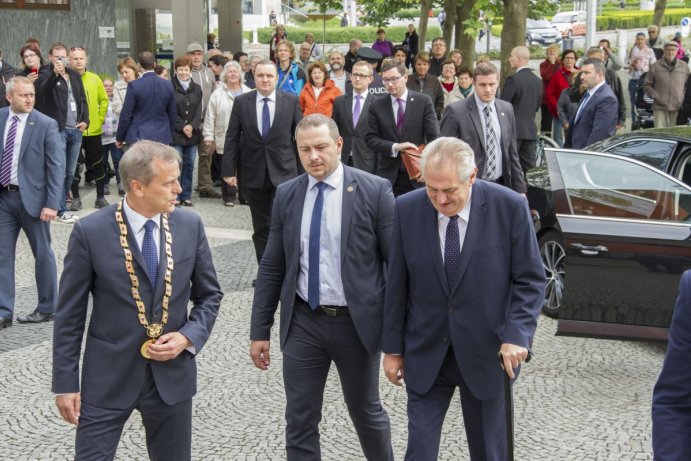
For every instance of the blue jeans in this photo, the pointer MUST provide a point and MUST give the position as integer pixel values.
(633, 85)
(188, 154)
(72, 144)
(116, 155)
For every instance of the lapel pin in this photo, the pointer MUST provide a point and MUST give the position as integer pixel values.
(31, 123)
(502, 114)
(350, 189)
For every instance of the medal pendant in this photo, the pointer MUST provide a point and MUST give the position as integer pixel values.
(145, 348)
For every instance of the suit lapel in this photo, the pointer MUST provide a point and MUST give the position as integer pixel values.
(26, 136)
(431, 218)
(3, 122)
(349, 191)
(251, 113)
(294, 218)
(504, 128)
(477, 121)
(365, 109)
(277, 113)
(475, 228)
(348, 109)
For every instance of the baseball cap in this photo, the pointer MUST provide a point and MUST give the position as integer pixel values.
(671, 43)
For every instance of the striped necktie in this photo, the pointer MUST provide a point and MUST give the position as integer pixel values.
(8, 153)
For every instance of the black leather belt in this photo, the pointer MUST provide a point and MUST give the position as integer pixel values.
(331, 311)
(10, 188)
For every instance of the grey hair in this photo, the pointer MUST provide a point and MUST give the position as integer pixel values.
(237, 66)
(9, 88)
(448, 152)
(137, 163)
(317, 120)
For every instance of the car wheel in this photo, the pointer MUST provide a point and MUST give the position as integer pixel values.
(553, 255)
(569, 34)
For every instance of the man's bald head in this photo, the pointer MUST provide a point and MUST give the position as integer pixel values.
(519, 57)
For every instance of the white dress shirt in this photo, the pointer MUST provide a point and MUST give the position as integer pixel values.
(394, 107)
(363, 97)
(260, 108)
(21, 124)
(497, 130)
(330, 284)
(463, 220)
(137, 221)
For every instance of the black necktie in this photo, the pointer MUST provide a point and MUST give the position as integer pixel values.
(452, 251)
(313, 255)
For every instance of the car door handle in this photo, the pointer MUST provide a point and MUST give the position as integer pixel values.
(590, 250)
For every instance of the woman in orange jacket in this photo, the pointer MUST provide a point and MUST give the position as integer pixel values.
(318, 95)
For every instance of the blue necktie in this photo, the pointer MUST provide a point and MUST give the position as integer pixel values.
(315, 231)
(7, 156)
(149, 251)
(582, 105)
(452, 251)
(266, 120)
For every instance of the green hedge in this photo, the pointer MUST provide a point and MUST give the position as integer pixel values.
(626, 19)
(367, 34)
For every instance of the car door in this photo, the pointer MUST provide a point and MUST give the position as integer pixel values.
(627, 235)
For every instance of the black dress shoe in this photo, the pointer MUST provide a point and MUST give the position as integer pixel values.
(254, 282)
(35, 317)
(5, 323)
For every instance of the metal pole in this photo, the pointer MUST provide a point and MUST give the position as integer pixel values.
(489, 32)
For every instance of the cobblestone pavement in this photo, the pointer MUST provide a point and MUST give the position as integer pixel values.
(579, 399)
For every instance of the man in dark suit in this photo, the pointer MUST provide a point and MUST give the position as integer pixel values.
(524, 91)
(330, 235)
(149, 111)
(142, 264)
(672, 392)
(402, 121)
(259, 144)
(488, 126)
(32, 169)
(596, 117)
(464, 282)
(351, 114)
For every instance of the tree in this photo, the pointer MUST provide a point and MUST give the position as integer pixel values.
(660, 6)
(512, 33)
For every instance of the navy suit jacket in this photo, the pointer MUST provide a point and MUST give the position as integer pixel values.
(420, 127)
(462, 120)
(672, 393)
(149, 111)
(496, 300)
(41, 170)
(367, 216)
(113, 371)
(597, 121)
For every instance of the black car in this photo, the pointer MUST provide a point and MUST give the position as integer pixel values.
(541, 32)
(616, 218)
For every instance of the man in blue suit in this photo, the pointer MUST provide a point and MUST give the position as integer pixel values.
(329, 240)
(32, 169)
(672, 393)
(148, 112)
(142, 264)
(464, 282)
(597, 114)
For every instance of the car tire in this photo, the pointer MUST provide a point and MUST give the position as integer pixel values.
(553, 255)
(569, 34)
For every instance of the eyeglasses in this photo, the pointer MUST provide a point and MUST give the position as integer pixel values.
(386, 81)
(362, 76)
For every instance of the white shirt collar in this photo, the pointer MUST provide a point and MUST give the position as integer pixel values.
(404, 97)
(363, 95)
(597, 87)
(335, 179)
(136, 219)
(260, 97)
(22, 116)
(480, 103)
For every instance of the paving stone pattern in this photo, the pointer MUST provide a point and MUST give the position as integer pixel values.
(579, 399)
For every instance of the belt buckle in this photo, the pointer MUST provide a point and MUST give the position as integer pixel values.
(330, 311)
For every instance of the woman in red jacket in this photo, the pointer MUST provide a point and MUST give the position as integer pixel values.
(559, 82)
(319, 93)
(548, 67)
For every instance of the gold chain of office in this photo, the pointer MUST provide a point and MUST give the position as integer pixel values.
(153, 330)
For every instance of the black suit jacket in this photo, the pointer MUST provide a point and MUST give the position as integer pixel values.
(354, 137)
(524, 91)
(462, 120)
(278, 154)
(420, 127)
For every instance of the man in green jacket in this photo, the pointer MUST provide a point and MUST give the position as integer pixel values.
(97, 102)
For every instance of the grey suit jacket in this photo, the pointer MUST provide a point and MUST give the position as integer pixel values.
(246, 150)
(113, 372)
(462, 120)
(41, 170)
(368, 207)
(354, 137)
(421, 127)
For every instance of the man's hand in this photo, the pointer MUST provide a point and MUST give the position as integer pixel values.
(513, 357)
(48, 214)
(393, 368)
(81, 126)
(259, 351)
(232, 181)
(69, 406)
(59, 67)
(187, 129)
(398, 147)
(119, 144)
(209, 144)
(169, 346)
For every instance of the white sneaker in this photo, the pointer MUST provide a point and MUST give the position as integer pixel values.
(68, 218)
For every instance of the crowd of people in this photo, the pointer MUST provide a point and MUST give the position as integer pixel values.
(398, 146)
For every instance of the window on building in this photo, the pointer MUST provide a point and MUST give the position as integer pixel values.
(35, 4)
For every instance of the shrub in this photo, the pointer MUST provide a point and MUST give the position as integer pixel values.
(367, 34)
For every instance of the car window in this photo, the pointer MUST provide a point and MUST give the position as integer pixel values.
(654, 152)
(562, 18)
(538, 24)
(603, 186)
(685, 171)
